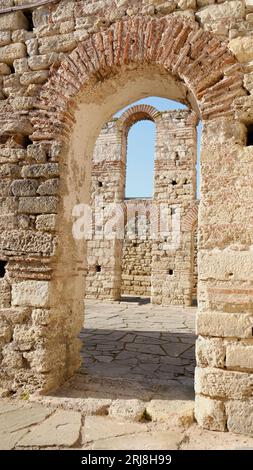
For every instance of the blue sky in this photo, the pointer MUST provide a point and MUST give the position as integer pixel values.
(141, 147)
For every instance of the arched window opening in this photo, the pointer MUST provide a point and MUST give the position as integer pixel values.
(140, 160)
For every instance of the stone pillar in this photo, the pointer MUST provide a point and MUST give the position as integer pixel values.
(104, 252)
(224, 379)
(174, 195)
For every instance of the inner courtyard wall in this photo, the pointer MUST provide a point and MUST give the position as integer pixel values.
(58, 85)
(142, 262)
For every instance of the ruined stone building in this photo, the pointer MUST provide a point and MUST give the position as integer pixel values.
(65, 69)
(155, 261)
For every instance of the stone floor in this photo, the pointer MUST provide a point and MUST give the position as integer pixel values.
(136, 391)
(134, 340)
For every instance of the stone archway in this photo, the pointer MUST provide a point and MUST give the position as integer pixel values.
(48, 284)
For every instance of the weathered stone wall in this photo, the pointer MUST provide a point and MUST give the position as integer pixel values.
(60, 81)
(159, 265)
(175, 189)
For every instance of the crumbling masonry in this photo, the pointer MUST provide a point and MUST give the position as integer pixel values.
(65, 70)
(157, 263)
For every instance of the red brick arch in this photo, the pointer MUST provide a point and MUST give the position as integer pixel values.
(181, 48)
(140, 112)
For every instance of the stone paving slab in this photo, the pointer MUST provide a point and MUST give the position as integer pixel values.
(143, 441)
(60, 430)
(101, 427)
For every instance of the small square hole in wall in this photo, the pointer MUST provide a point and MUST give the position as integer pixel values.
(249, 135)
(173, 182)
(2, 268)
(98, 268)
(170, 272)
(100, 184)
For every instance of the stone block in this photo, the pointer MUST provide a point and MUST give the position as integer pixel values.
(210, 352)
(37, 77)
(5, 38)
(38, 205)
(4, 69)
(13, 21)
(12, 52)
(232, 9)
(242, 48)
(226, 264)
(46, 222)
(240, 416)
(27, 241)
(239, 356)
(24, 187)
(222, 383)
(210, 413)
(225, 324)
(58, 43)
(30, 293)
(47, 170)
(5, 293)
(49, 187)
(41, 62)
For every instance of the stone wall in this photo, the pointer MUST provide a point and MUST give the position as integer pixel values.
(159, 265)
(61, 78)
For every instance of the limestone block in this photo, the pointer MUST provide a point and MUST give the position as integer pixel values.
(248, 81)
(21, 65)
(186, 4)
(58, 43)
(240, 416)
(11, 358)
(225, 324)
(13, 21)
(242, 48)
(27, 241)
(210, 413)
(5, 293)
(30, 293)
(226, 264)
(129, 410)
(41, 316)
(45, 360)
(16, 126)
(46, 222)
(5, 332)
(21, 35)
(210, 352)
(34, 77)
(15, 315)
(38, 153)
(11, 52)
(49, 187)
(32, 46)
(8, 205)
(41, 62)
(249, 5)
(47, 170)
(24, 187)
(4, 69)
(5, 188)
(22, 102)
(38, 205)
(5, 38)
(239, 355)
(222, 383)
(230, 9)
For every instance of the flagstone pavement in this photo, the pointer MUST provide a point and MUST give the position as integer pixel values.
(133, 391)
